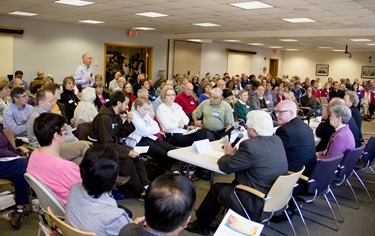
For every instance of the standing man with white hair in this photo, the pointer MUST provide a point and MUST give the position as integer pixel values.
(257, 163)
(84, 74)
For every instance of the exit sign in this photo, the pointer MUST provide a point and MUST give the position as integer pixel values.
(132, 33)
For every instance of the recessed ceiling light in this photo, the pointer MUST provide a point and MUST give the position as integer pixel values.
(251, 5)
(151, 14)
(325, 47)
(291, 49)
(91, 21)
(256, 44)
(232, 40)
(275, 47)
(338, 50)
(22, 13)
(143, 28)
(75, 2)
(206, 24)
(195, 40)
(361, 40)
(288, 40)
(299, 20)
(371, 44)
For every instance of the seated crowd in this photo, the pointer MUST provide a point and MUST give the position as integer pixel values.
(134, 111)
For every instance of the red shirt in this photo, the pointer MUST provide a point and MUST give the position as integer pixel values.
(316, 93)
(187, 103)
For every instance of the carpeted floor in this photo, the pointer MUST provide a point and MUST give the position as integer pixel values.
(357, 222)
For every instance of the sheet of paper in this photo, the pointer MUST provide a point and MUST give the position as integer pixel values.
(191, 131)
(141, 149)
(153, 137)
(234, 224)
(10, 158)
(204, 147)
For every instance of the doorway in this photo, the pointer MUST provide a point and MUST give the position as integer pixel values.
(274, 67)
(137, 58)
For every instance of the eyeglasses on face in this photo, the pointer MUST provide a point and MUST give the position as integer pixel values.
(281, 111)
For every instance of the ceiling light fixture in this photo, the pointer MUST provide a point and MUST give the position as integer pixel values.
(77, 3)
(143, 28)
(195, 40)
(361, 40)
(288, 40)
(151, 14)
(291, 49)
(91, 22)
(338, 50)
(325, 47)
(251, 5)
(256, 44)
(206, 24)
(232, 40)
(370, 44)
(299, 20)
(22, 13)
(275, 47)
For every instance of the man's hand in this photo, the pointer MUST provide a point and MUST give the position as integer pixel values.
(228, 150)
(198, 123)
(138, 220)
(88, 80)
(181, 124)
(133, 154)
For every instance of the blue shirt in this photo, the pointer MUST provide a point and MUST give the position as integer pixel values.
(81, 73)
(15, 118)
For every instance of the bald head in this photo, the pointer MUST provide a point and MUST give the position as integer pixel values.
(188, 89)
(221, 84)
(285, 111)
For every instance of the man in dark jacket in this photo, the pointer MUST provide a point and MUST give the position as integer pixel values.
(108, 127)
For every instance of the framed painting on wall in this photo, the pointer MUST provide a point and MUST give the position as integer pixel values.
(368, 72)
(322, 69)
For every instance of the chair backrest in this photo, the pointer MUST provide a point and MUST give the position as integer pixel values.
(66, 229)
(369, 152)
(281, 192)
(83, 130)
(348, 162)
(10, 136)
(323, 101)
(323, 174)
(46, 197)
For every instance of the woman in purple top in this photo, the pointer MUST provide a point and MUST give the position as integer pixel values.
(342, 140)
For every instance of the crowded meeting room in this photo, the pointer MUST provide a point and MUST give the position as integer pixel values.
(176, 117)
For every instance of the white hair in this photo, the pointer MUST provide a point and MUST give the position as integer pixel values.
(88, 94)
(260, 121)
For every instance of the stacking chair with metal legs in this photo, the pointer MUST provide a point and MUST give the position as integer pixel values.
(276, 199)
(318, 184)
(345, 170)
(366, 161)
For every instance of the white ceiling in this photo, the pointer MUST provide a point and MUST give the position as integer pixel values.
(337, 21)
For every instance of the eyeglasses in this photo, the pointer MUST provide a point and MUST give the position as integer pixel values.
(170, 95)
(216, 97)
(281, 111)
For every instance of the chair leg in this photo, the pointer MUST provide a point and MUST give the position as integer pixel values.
(355, 196)
(372, 170)
(338, 206)
(333, 213)
(300, 213)
(290, 222)
(363, 185)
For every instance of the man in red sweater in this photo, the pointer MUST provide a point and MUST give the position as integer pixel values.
(186, 100)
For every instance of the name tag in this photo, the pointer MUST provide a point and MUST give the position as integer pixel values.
(114, 125)
(215, 113)
(107, 100)
(267, 102)
(192, 103)
(247, 106)
(70, 101)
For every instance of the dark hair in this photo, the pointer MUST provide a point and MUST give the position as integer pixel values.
(41, 95)
(46, 125)
(99, 169)
(118, 96)
(18, 72)
(16, 92)
(227, 93)
(169, 201)
(143, 81)
(52, 86)
(35, 85)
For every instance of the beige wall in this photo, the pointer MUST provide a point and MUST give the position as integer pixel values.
(6, 54)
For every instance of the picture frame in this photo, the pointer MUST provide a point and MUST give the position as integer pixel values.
(368, 72)
(322, 70)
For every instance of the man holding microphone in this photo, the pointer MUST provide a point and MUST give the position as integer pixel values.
(83, 74)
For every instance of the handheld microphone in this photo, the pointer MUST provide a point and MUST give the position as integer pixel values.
(239, 137)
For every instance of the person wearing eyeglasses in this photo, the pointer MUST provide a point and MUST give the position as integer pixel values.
(297, 137)
(217, 116)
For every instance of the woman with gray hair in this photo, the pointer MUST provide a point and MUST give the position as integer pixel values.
(342, 140)
(86, 109)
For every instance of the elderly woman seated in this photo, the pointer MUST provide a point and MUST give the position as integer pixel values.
(86, 109)
(90, 206)
(144, 135)
(342, 140)
(174, 121)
